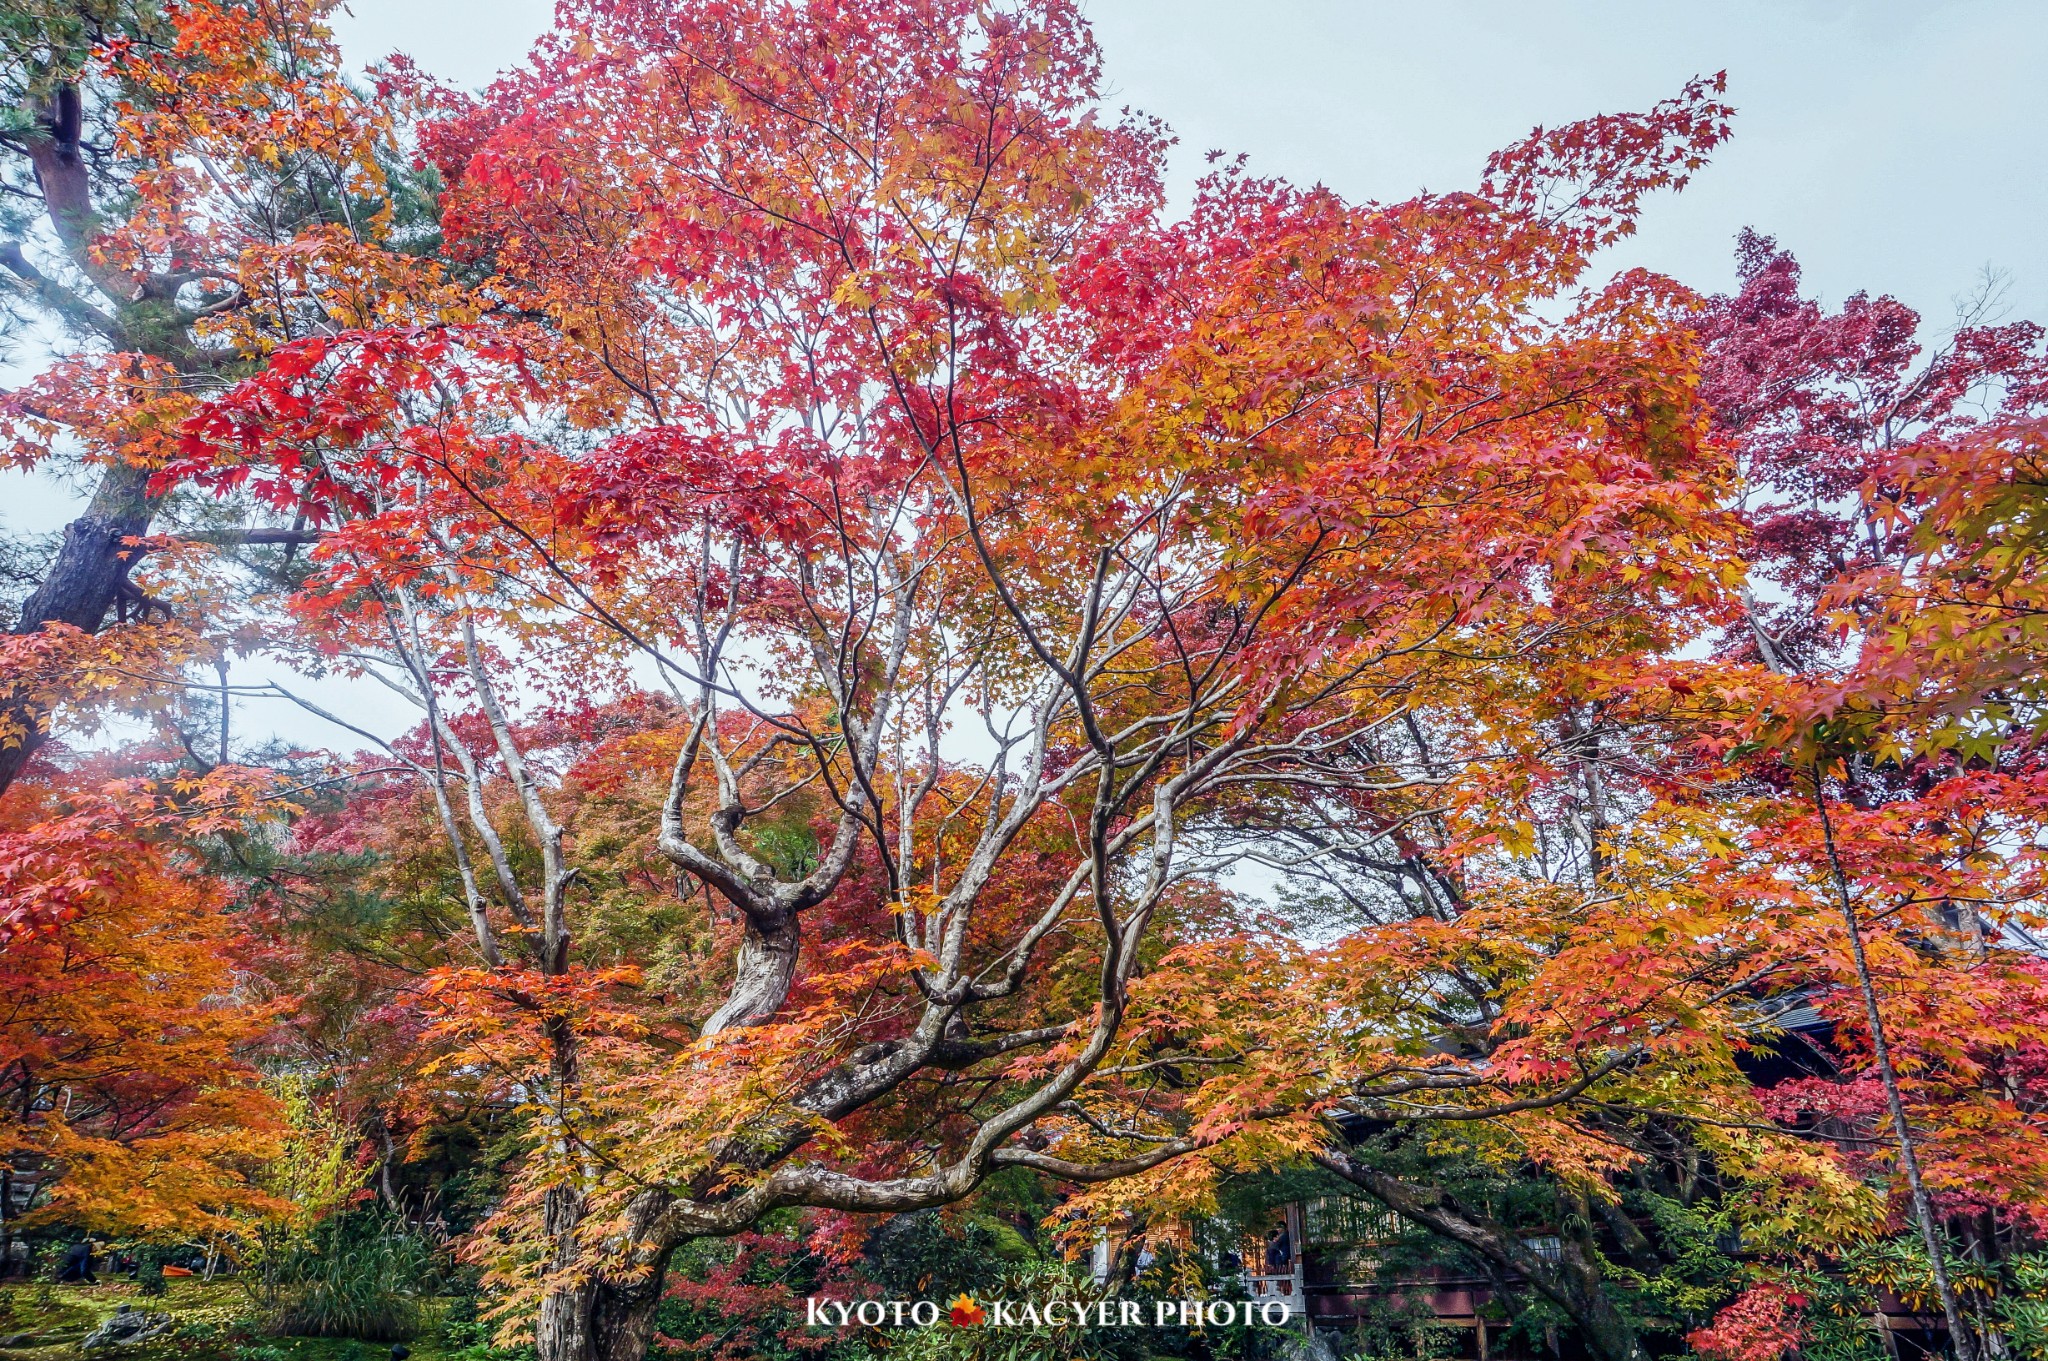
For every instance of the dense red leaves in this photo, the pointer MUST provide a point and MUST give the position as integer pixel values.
(751, 1302)
(1762, 1324)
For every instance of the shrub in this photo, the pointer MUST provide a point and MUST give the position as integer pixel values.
(469, 1339)
(2022, 1306)
(264, 1352)
(360, 1276)
(1040, 1282)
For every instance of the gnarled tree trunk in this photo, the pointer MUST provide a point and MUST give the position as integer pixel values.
(764, 970)
(89, 573)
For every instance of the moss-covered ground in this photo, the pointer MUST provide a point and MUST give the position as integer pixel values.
(213, 1322)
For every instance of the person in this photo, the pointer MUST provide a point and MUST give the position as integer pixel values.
(1279, 1253)
(78, 1263)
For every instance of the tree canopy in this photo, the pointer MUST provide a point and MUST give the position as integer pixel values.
(917, 668)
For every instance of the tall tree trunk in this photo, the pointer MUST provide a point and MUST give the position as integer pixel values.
(89, 573)
(602, 1295)
(1880, 1050)
(593, 1315)
(1573, 1284)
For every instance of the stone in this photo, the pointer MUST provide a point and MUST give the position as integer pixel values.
(126, 1328)
(1314, 1347)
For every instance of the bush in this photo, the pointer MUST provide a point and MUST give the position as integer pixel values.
(469, 1339)
(265, 1352)
(202, 1335)
(1040, 1282)
(2022, 1306)
(360, 1276)
(1393, 1328)
(923, 1254)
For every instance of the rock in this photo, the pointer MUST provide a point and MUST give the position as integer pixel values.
(1314, 1347)
(126, 1328)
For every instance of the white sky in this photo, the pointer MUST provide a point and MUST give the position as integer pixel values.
(1893, 145)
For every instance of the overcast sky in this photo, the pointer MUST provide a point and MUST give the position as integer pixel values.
(1894, 145)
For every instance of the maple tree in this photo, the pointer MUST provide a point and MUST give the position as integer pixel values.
(1849, 799)
(1914, 755)
(805, 308)
(185, 185)
(862, 579)
(130, 1104)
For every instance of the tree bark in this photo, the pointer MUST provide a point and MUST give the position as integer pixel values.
(1880, 1051)
(84, 581)
(765, 969)
(89, 572)
(598, 1317)
(601, 1297)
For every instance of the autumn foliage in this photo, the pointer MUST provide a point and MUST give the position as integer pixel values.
(124, 1069)
(916, 668)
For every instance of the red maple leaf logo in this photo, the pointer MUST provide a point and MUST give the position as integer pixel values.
(966, 1313)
